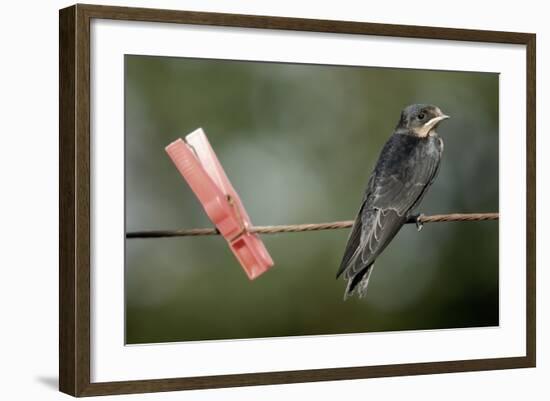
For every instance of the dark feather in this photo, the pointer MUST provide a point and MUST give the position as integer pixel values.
(359, 282)
(354, 241)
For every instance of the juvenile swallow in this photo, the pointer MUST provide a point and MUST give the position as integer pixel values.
(406, 167)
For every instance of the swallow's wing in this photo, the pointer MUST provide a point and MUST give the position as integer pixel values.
(373, 230)
(406, 168)
(354, 239)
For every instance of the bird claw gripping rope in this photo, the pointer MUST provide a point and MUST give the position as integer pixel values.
(418, 221)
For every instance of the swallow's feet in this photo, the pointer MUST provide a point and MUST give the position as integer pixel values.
(419, 223)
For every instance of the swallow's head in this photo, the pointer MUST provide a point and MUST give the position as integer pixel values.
(420, 120)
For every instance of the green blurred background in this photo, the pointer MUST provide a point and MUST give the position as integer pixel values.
(298, 143)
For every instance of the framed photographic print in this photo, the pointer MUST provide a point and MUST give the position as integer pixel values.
(250, 200)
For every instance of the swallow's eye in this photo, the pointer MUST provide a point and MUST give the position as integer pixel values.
(421, 116)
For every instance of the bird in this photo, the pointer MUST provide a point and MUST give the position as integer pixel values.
(407, 166)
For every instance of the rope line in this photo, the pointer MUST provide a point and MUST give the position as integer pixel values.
(292, 228)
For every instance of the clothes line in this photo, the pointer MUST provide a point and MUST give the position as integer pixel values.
(293, 228)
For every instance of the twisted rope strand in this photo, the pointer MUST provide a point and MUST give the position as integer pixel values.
(292, 228)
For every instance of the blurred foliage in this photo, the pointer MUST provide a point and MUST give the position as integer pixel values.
(299, 143)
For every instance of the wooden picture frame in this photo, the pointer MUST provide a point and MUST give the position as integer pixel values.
(74, 199)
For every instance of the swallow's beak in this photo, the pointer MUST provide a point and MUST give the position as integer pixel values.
(436, 120)
(432, 124)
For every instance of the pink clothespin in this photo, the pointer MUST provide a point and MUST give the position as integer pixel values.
(197, 163)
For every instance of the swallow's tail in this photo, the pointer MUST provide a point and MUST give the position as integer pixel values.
(359, 282)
